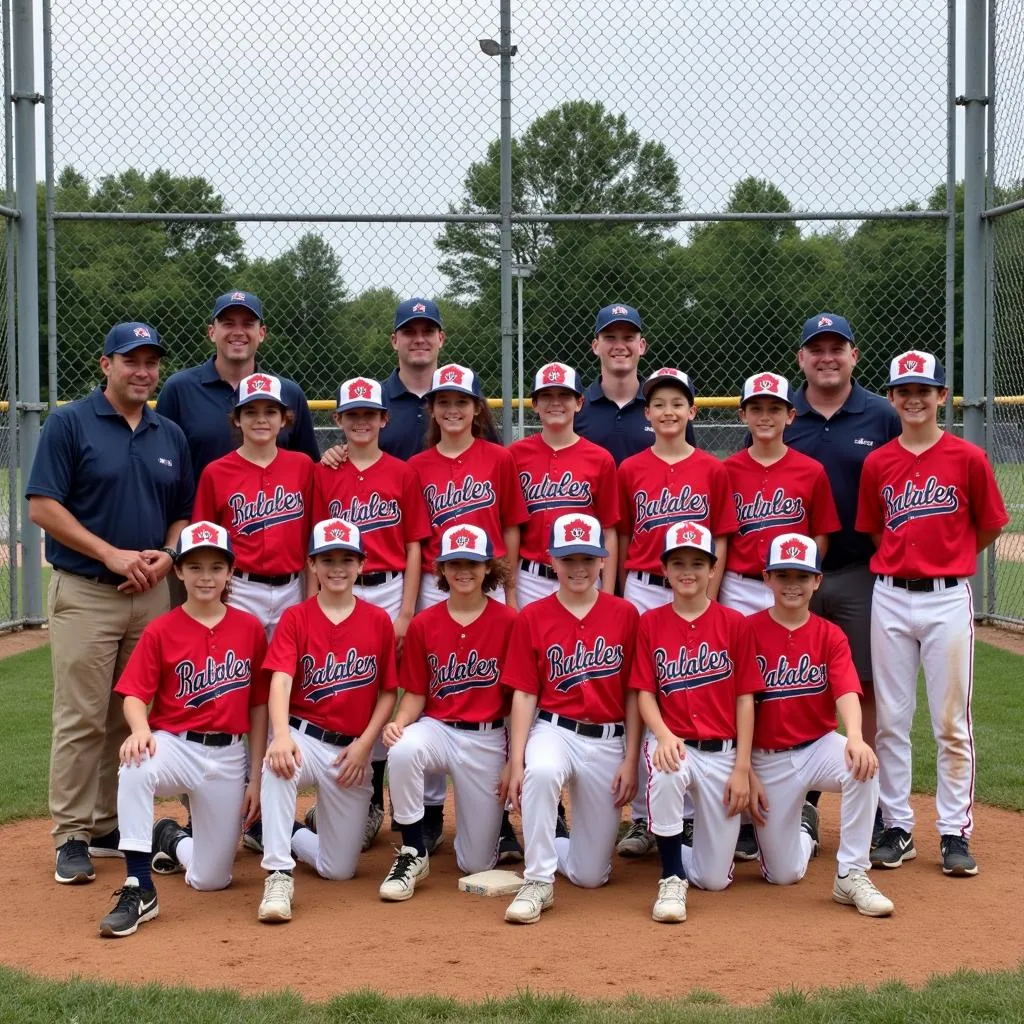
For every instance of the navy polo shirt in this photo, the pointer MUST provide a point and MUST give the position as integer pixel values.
(200, 401)
(122, 485)
(622, 432)
(841, 443)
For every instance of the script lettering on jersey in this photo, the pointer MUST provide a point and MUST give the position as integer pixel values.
(265, 511)
(690, 671)
(561, 493)
(569, 670)
(456, 501)
(373, 514)
(934, 499)
(653, 513)
(322, 681)
(199, 685)
(775, 512)
(452, 676)
(803, 679)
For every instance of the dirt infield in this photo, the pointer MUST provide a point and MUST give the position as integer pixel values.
(743, 943)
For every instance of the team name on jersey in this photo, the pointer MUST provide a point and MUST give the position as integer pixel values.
(761, 513)
(456, 501)
(375, 513)
(453, 676)
(653, 513)
(804, 679)
(265, 511)
(198, 686)
(688, 672)
(569, 670)
(322, 681)
(565, 492)
(934, 499)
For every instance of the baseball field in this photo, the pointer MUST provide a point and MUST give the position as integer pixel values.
(953, 951)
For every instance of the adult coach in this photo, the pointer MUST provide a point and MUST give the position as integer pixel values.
(112, 486)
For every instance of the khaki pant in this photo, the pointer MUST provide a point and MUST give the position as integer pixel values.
(93, 630)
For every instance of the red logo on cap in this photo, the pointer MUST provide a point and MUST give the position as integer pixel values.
(793, 548)
(451, 374)
(578, 530)
(912, 362)
(687, 535)
(141, 332)
(238, 295)
(360, 388)
(553, 374)
(619, 310)
(202, 534)
(337, 530)
(419, 308)
(258, 383)
(824, 321)
(462, 539)
(667, 371)
(767, 382)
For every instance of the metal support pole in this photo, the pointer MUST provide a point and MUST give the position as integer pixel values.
(12, 330)
(989, 229)
(51, 236)
(505, 209)
(950, 358)
(25, 99)
(522, 372)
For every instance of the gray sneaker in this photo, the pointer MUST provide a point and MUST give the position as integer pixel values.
(74, 865)
(134, 906)
(374, 820)
(895, 846)
(637, 842)
(956, 857)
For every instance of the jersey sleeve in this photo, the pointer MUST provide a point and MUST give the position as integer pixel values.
(142, 674)
(606, 500)
(823, 518)
(513, 504)
(842, 675)
(413, 671)
(415, 521)
(987, 507)
(53, 470)
(641, 676)
(869, 498)
(205, 504)
(283, 653)
(746, 673)
(723, 507)
(520, 671)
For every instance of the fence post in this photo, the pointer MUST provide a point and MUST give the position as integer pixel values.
(505, 209)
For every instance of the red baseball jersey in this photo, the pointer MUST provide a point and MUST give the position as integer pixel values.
(457, 668)
(805, 671)
(928, 507)
(791, 495)
(337, 671)
(697, 669)
(385, 501)
(197, 678)
(577, 667)
(580, 478)
(654, 493)
(266, 510)
(477, 487)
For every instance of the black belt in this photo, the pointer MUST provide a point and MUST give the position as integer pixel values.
(752, 576)
(711, 746)
(787, 750)
(270, 581)
(107, 578)
(654, 578)
(213, 739)
(595, 732)
(336, 739)
(537, 569)
(923, 585)
(374, 579)
(476, 726)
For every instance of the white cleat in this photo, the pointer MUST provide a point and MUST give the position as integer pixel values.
(530, 902)
(857, 890)
(670, 906)
(276, 904)
(408, 869)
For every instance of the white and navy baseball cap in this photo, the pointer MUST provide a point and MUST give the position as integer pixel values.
(826, 323)
(452, 377)
(669, 375)
(916, 368)
(360, 393)
(257, 387)
(238, 298)
(466, 542)
(204, 534)
(576, 534)
(335, 535)
(124, 338)
(793, 551)
(417, 309)
(557, 375)
(688, 535)
(765, 385)
(617, 313)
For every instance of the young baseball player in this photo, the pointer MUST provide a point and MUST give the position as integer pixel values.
(262, 495)
(331, 692)
(568, 661)
(451, 717)
(192, 688)
(931, 504)
(466, 479)
(695, 674)
(809, 676)
(561, 472)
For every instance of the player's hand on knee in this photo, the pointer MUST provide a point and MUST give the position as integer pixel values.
(353, 761)
(757, 803)
(737, 791)
(251, 802)
(391, 734)
(669, 753)
(861, 760)
(335, 457)
(283, 756)
(624, 783)
(137, 744)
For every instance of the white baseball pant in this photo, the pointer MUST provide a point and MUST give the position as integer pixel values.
(267, 603)
(935, 630)
(213, 778)
(475, 760)
(745, 595)
(340, 814)
(389, 597)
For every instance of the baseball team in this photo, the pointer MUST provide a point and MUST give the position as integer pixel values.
(235, 617)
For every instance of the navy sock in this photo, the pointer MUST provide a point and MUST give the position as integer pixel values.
(506, 825)
(378, 782)
(433, 816)
(412, 835)
(137, 866)
(814, 796)
(670, 849)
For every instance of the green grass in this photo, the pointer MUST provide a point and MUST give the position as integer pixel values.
(26, 695)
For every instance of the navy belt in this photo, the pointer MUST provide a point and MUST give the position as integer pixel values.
(270, 581)
(477, 726)
(375, 579)
(213, 739)
(711, 746)
(924, 585)
(653, 578)
(594, 732)
(787, 750)
(107, 578)
(336, 739)
(537, 569)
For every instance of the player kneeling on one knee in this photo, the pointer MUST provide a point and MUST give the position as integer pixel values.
(568, 660)
(451, 718)
(332, 689)
(200, 666)
(809, 675)
(695, 672)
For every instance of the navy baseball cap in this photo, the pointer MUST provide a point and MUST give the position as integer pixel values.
(122, 338)
(616, 314)
(826, 323)
(417, 309)
(244, 299)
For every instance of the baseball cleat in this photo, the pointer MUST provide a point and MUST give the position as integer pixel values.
(809, 824)
(374, 820)
(167, 833)
(956, 857)
(688, 832)
(252, 837)
(637, 842)
(561, 828)
(746, 844)
(276, 904)
(433, 835)
(509, 850)
(106, 846)
(134, 906)
(310, 819)
(877, 828)
(531, 901)
(670, 906)
(895, 846)
(857, 890)
(408, 869)
(74, 866)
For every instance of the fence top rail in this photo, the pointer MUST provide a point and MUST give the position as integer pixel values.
(1002, 211)
(9, 211)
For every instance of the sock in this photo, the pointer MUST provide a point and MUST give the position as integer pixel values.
(378, 768)
(670, 850)
(137, 864)
(813, 797)
(432, 816)
(506, 826)
(561, 807)
(412, 835)
(183, 851)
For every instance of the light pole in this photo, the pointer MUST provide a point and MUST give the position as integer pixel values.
(521, 271)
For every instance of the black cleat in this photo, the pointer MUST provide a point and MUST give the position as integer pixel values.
(74, 865)
(956, 857)
(134, 905)
(167, 833)
(746, 845)
(895, 846)
(106, 846)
